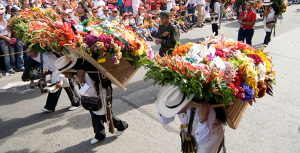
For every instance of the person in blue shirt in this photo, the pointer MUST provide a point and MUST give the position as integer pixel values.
(121, 6)
(152, 29)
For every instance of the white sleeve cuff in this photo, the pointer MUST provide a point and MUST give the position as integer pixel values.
(84, 89)
(59, 77)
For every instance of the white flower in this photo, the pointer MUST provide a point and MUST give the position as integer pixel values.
(219, 63)
(261, 71)
(35, 72)
(95, 33)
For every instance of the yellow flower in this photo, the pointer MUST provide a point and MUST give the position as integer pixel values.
(36, 9)
(248, 52)
(102, 60)
(268, 66)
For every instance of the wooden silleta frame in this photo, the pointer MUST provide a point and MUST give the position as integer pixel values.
(119, 74)
(233, 113)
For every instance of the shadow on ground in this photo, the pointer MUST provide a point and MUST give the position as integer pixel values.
(83, 120)
(17, 94)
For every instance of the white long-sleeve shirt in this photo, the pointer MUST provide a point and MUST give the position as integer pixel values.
(207, 135)
(217, 9)
(49, 60)
(191, 2)
(89, 89)
(105, 17)
(201, 2)
(271, 17)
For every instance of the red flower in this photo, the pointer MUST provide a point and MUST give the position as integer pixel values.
(61, 43)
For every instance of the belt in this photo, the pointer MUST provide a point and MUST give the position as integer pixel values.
(166, 48)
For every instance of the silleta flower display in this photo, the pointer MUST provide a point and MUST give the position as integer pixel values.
(217, 69)
(44, 32)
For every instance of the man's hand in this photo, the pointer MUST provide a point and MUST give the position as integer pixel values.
(165, 34)
(203, 111)
(7, 39)
(58, 84)
(157, 41)
(243, 18)
(81, 75)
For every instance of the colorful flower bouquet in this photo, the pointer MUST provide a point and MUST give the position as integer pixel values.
(43, 30)
(216, 70)
(103, 37)
(106, 44)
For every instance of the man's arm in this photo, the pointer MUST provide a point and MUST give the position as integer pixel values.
(165, 120)
(203, 131)
(253, 18)
(50, 60)
(171, 42)
(159, 34)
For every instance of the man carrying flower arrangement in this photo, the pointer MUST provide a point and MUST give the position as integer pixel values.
(95, 86)
(206, 130)
(167, 34)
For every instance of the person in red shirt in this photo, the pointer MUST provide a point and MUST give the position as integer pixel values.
(152, 3)
(247, 21)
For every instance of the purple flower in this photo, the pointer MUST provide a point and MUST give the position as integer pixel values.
(106, 46)
(108, 40)
(248, 91)
(113, 59)
(128, 47)
(210, 57)
(90, 40)
(150, 55)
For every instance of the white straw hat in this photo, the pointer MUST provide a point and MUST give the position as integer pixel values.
(64, 63)
(267, 2)
(171, 100)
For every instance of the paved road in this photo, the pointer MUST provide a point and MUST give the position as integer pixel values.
(269, 126)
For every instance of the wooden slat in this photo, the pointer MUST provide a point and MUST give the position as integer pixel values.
(195, 104)
(241, 114)
(233, 109)
(237, 111)
(128, 78)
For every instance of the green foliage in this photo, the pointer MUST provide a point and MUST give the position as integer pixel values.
(190, 85)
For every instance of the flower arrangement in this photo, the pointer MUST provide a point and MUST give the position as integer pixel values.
(218, 69)
(43, 31)
(102, 37)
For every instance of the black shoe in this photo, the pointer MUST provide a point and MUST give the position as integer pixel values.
(202, 25)
(21, 70)
(32, 86)
(11, 71)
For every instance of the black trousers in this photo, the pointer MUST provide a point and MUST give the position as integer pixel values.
(237, 7)
(268, 37)
(247, 33)
(215, 28)
(52, 98)
(98, 125)
(164, 51)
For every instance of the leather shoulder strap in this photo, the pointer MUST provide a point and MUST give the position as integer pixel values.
(190, 126)
(97, 88)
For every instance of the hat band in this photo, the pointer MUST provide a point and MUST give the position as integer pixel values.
(177, 104)
(65, 66)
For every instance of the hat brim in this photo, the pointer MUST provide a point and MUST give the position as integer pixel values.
(163, 16)
(170, 112)
(52, 88)
(270, 3)
(73, 62)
